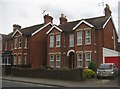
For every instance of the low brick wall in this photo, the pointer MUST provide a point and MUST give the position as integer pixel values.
(74, 74)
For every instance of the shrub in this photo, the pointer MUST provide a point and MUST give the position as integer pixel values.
(92, 66)
(89, 73)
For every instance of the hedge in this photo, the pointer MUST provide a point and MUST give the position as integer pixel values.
(73, 74)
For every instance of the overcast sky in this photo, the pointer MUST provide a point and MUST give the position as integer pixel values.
(29, 12)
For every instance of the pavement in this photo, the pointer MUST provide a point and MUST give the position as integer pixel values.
(65, 83)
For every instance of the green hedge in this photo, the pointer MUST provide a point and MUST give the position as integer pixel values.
(74, 74)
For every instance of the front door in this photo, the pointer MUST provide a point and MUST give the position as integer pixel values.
(71, 60)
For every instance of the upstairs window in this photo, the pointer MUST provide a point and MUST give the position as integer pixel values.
(57, 40)
(88, 37)
(15, 43)
(51, 41)
(25, 42)
(71, 42)
(79, 38)
(20, 42)
(5, 45)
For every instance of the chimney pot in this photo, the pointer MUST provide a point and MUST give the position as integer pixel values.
(48, 18)
(63, 19)
(16, 26)
(107, 10)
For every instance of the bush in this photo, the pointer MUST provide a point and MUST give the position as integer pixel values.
(92, 66)
(88, 73)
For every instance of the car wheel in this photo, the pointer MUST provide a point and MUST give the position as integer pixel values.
(98, 77)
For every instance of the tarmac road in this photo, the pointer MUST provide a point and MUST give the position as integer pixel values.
(6, 83)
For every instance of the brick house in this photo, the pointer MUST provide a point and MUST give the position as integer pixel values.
(24, 45)
(70, 44)
(77, 43)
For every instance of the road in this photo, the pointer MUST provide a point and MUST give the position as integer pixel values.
(6, 83)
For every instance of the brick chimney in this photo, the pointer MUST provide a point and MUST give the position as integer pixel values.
(107, 10)
(48, 19)
(15, 27)
(63, 19)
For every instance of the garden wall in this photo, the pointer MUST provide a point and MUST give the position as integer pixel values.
(74, 74)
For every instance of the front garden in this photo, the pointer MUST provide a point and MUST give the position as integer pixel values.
(49, 73)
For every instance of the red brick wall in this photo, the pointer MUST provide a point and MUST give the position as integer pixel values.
(38, 48)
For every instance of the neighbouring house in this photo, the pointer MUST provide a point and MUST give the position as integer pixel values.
(27, 46)
(75, 44)
(70, 44)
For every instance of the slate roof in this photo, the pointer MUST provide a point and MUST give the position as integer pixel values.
(31, 29)
(27, 30)
(97, 22)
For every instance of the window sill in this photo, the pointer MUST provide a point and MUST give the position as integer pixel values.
(25, 47)
(19, 48)
(57, 67)
(71, 46)
(57, 46)
(79, 44)
(88, 44)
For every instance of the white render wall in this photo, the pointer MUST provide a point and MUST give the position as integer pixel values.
(109, 53)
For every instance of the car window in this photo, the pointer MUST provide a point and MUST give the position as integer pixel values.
(105, 66)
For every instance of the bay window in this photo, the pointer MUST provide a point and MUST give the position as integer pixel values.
(79, 60)
(58, 60)
(88, 37)
(79, 38)
(88, 58)
(51, 60)
(52, 41)
(71, 42)
(57, 40)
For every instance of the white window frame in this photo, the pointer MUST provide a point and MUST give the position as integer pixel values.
(87, 36)
(20, 42)
(15, 60)
(71, 40)
(51, 41)
(11, 45)
(79, 37)
(80, 60)
(58, 60)
(8, 59)
(58, 40)
(19, 60)
(25, 59)
(87, 60)
(51, 60)
(15, 42)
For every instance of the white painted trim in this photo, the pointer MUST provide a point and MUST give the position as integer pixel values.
(79, 52)
(106, 21)
(16, 32)
(87, 51)
(109, 53)
(70, 51)
(83, 21)
(52, 29)
(42, 28)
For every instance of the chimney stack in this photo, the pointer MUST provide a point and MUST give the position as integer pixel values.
(63, 19)
(48, 19)
(107, 10)
(16, 27)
